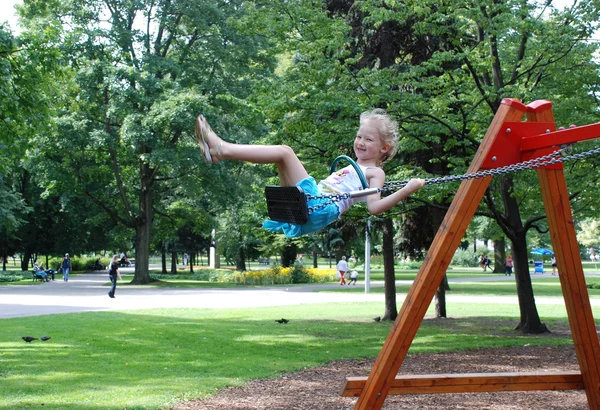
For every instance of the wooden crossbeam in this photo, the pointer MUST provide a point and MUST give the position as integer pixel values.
(472, 383)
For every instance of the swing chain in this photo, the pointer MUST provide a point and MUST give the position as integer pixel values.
(550, 159)
(329, 199)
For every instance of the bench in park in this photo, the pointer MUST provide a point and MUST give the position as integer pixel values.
(37, 275)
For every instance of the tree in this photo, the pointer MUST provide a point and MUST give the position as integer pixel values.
(141, 72)
(27, 73)
(449, 69)
(589, 232)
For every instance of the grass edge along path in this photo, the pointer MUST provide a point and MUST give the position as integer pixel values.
(152, 359)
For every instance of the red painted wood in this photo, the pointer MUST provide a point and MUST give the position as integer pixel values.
(432, 270)
(382, 380)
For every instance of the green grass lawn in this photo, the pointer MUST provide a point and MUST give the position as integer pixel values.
(549, 287)
(151, 359)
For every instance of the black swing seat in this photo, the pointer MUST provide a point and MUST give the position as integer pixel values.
(286, 204)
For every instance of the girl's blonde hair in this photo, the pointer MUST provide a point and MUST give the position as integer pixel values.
(388, 130)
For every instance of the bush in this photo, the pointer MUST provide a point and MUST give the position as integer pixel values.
(593, 286)
(320, 275)
(272, 276)
(11, 277)
(90, 263)
(410, 265)
(299, 274)
(465, 257)
(206, 275)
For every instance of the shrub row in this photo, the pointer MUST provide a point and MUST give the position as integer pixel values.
(11, 277)
(272, 276)
(79, 263)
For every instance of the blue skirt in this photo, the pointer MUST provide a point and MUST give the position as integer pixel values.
(319, 219)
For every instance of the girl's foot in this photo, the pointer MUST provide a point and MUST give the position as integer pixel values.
(208, 141)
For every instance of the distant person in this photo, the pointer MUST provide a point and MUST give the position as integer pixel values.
(342, 268)
(553, 262)
(124, 261)
(41, 272)
(66, 267)
(113, 273)
(353, 277)
(484, 262)
(49, 272)
(185, 259)
(509, 265)
(592, 253)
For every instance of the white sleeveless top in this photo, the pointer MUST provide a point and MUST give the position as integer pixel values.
(344, 180)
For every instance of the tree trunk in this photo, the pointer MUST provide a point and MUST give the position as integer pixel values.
(389, 275)
(530, 320)
(437, 216)
(192, 260)
(173, 262)
(143, 225)
(25, 260)
(499, 255)
(240, 260)
(315, 259)
(440, 298)
(288, 255)
(163, 259)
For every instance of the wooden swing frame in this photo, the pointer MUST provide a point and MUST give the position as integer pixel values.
(508, 140)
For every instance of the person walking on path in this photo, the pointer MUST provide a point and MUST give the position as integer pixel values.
(66, 267)
(508, 265)
(553, 261)
(113, 273)
(353, 277)
(342, 268)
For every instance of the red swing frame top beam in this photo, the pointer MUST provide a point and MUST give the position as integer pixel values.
(521, 141)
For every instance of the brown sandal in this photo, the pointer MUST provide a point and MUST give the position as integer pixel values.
(202, 135)
(203, 132)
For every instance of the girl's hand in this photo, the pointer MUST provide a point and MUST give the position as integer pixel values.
(415, 184)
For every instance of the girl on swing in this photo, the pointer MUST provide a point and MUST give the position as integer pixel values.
(376, 142)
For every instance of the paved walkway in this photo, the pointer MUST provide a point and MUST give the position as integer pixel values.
(89, 292)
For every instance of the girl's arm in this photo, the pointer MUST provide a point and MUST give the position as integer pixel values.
(376, 204)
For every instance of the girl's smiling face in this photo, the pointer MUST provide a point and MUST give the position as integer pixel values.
(369, 147)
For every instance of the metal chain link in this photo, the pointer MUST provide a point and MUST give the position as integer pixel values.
(543, 161)
(329, 199)
(535, 163)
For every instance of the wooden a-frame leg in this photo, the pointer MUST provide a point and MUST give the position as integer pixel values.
(572, 279)
(432, 270)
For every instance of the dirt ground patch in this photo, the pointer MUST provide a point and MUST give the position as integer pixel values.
(318, 388)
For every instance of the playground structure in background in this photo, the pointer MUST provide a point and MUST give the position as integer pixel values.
(508, 140)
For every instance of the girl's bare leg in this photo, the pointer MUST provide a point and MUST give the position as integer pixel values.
(291, 170)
